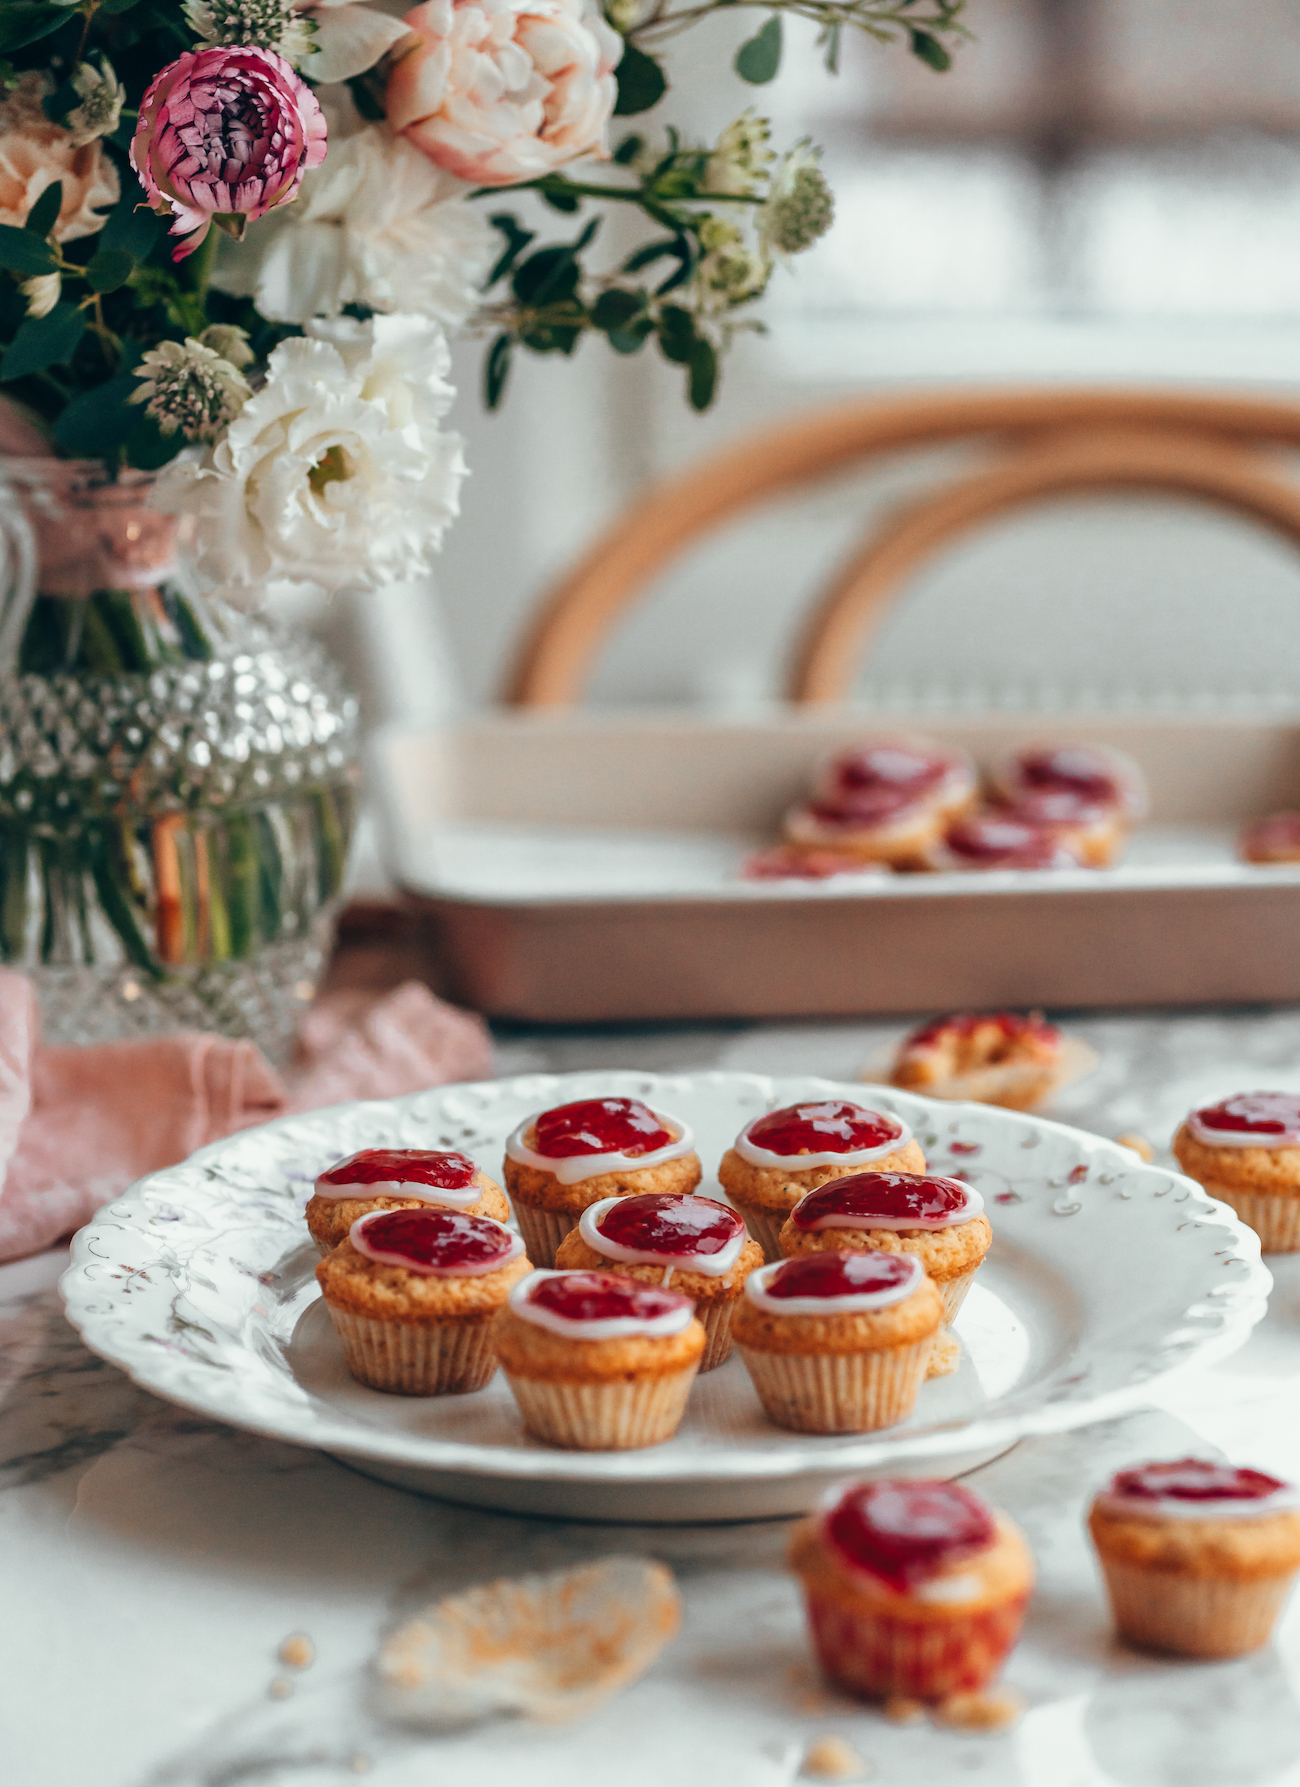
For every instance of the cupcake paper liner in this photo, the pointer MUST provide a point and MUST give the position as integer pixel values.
(838, 1392)
(542, 1230)
(953, 1291)
(878, 1655)
(1276, 1220)
(715, 1317)
(764, 1227)
(416, 1359)
(616, 1417)
(1194, 1616)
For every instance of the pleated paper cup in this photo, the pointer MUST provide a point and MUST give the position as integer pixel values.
(542, 1230)
(877, 1654)
(953, 1291)
(838, 1392)
(617, 1417)
(764, 1227)
(715, 1318)
(1194, 1616)
(417, 1358)
(1276, 1220)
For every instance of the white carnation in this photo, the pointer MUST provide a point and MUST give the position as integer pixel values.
(377, 225)
(336, 472)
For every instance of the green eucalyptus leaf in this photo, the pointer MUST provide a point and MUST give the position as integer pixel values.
(24, 254)
(147, 447)
(645, 257)
(627, 151)
(496, 371)
(677, 336)
(517, 239)
(109, 268)
(641, 82)
(547, 276)
(43, 341)
(631, 340)
(99, 420)
(22, 23)
(560, 200)
(44, 214)
(929, 50)
(615, 310)
(702, 373)
(133, 228)
(111, 6)
(758, 60)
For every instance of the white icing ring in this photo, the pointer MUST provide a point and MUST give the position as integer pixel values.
(860, 1157)
(1239, 1138)
(973, 1207)
(1171, 1507)
(448, 1198)
(617, 1327)
(356, 1234)
(851, 1303)
(572, 1169)
(711, 1265)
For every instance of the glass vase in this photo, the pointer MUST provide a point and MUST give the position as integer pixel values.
(177, 780)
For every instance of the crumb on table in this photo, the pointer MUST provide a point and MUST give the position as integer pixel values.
(902, 1711)
(280, 1688)
(980, 1712)
(1139, 1144)
(945, 1354)
(833, 1759)
(297, 1651)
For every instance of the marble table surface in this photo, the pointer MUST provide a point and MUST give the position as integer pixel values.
(154, 1562)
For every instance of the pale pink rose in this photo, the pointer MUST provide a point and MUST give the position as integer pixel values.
(35, 153)
(498, 91)
(227, 130)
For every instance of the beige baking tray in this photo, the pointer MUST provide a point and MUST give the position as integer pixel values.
(577, 867)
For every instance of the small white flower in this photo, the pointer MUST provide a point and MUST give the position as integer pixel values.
(376, 225)
(741, 158)
(329, 40)
(191, 388)
(730, 273)
(799, 207)
(337, 472)
(102, 98)
(230, 342)
(42, 293)
(261, 24)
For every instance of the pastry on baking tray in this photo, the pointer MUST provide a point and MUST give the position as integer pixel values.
(1246, 1150)
(1006, 1058)
(696, 1245)
(838, 1342)
(1000, 840)
(1272, 839)
(940, 1221)
(886, 800)
(559, 1162)
(1086, 795)
(397, 1179)
(792, 862)
(783, 1154)
(1198, 1557)
(597, 1361)
(913, 1590)
(412, 1294)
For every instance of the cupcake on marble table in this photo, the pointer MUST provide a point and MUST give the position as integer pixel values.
(782, 1156)
(412, 1294)
(913, 1590)
(696, 1245)
(562, 1161)
(939, 1221)
(598, 1362)
(1199, 1558)
(838, 1342)
(1246, 1150)
(399, 1179)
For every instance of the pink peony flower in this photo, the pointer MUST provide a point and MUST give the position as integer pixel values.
(225, 131)
(498, 91)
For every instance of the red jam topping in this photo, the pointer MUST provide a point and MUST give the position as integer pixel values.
(600, 1126)
(603, 1297)
(962, 1025)
(1194, 1480)
(858, 780)
(992, 843)
(1275, 839)
(840, 1274)
(442, 1240)
(1269, 1114)
(870, 807)
(671, 1225)
(1055, 807)
(404, 1166)
(905, 1533)
(911, 1196)
(1070, 769)
(828, 1127)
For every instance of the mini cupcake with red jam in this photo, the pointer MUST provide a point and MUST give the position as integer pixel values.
(560, 1162)
(780, 1157)
(694, 1244)
(1001, 840)
(1199, 1558)
(1005, 1058)
(884, 801)
(1246, 1150)
(939, 1221)
(838, 1342)
(597, 1361)
(913, 1590)
(399, 1179)
(412, 1294)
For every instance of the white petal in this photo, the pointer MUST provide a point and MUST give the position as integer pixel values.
(349, 40)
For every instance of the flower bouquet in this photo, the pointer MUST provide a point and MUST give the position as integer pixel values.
(234, 238)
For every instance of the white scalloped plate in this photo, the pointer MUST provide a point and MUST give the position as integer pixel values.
(1104, 1275)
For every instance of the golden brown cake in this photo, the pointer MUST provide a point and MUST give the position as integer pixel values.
(561, 1161)
(838, 1342)
(1246, 1150)
(914, 1590)
(781, 1156)
(412, 1294)
(884, 801)
(1000, 1058)
(399, 1179)
(1199, 1558)
(597, 1361)
(694, 1244)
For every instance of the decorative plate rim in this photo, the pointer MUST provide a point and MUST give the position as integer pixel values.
(1214, 1324)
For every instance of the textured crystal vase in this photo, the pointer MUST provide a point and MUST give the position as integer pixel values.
(177, 781)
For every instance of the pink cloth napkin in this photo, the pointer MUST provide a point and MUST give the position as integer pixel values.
(78, 1125)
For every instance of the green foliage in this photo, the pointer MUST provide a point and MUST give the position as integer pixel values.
(642, 83)
(43, 341)
(24, 254)
(109, 268)
(759, 59)
(44, 214)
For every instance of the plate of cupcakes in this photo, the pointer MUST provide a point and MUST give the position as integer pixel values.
(640, 1297)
